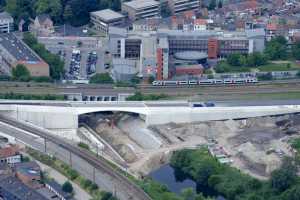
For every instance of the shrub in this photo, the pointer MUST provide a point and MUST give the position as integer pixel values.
(67, 187)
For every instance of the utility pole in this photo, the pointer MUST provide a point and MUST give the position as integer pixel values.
(94, 175)
(45, 145)
(70, 158)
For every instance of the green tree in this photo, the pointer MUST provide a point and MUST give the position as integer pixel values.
(296, 50)
(236, 59)
(68, 13)
(222, 67)
(151, 79)
(292, 194)
(108, 196)
(67, 187)
(276, 49)
(52, 7)
(188, 194)
(20, 72)
(212, 5)
(220, 4)
(103, 78)
(284, 177)
(256, 59)
(54, 61)
(165, 11)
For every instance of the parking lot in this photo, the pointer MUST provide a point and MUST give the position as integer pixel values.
(83, 56)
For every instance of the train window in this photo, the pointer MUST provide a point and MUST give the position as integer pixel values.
(183, 82)
(228, 81)
(239, 81)
(205, 82)
(170, 82)
(219, 81)
(193, 82)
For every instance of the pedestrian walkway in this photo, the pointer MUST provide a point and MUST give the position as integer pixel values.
(80, 194)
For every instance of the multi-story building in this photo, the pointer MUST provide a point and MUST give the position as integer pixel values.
(139, 9)
(14, 51)
(215, 44)
(178, 6)
(103, 19)
(162, 59)
(6, 22)
(167, 43)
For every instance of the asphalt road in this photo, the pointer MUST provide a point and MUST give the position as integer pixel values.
(88, 165)
(263, 102)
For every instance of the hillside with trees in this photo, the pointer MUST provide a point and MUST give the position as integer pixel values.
(74, 12)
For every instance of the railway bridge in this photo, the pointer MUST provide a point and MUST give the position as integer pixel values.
(64, 115)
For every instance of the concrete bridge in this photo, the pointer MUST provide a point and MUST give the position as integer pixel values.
(64, 115)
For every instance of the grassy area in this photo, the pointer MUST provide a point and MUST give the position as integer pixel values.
(279, 67)
(224, 67)
(18, 96)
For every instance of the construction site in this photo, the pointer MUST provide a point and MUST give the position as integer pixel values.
(255, 145)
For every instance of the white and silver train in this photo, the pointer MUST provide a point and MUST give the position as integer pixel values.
(207, 82)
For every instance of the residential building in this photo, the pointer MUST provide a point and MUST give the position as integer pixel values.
(29, 173)
(42, 25)
(103, 19)
(6, 22)
(57, 190)
(200, 24)
(177, 6)
(14, 51)
(10, 155)
(139, 9)
(13, 189)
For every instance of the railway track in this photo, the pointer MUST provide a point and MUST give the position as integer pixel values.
(97, 162)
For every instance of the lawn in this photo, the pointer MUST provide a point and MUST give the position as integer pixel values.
(271, 66)
(279, 67)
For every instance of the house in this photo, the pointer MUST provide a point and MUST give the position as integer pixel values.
(12, 188)
(200, 24)
(57, 190)
(42, 25)
(29, 173)
(10, 155)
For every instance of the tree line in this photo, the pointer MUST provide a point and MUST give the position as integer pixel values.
(55, 63)
(229, 182)
(276, 49)
(75, 12)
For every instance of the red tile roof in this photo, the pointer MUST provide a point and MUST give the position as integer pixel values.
(8, 152)
(271, 27)
(200, 21)
(189, 14)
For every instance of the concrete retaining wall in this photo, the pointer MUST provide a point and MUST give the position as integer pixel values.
(59, 117)
(188, 114)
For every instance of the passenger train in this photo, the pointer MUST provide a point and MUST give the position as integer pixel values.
(207, 82)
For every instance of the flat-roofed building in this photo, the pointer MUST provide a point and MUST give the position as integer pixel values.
(6, 22)
(103, 19)
(178, 6)
(139, 9)
(14, 51)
